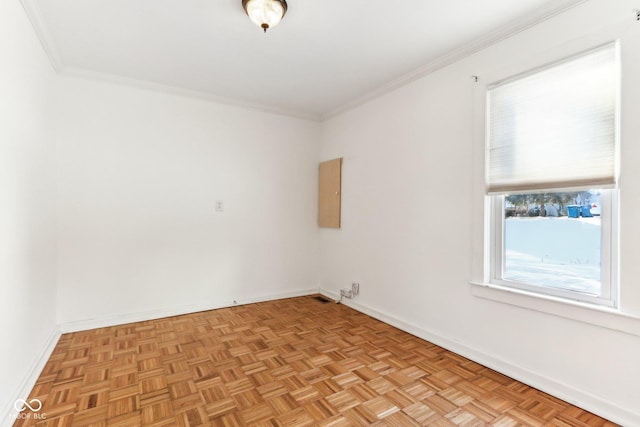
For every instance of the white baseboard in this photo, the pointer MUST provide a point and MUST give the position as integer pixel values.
(23, 390)
(580, 398)
(7, 416)
(121, 319)
(565, 392)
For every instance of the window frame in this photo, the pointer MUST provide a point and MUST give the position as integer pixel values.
(494, 209)
(608, 254)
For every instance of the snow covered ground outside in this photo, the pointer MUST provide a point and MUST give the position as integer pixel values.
(559, 252)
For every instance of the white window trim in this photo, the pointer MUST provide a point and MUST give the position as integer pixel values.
(608, 253)
(480, 286)
(606, 317)
(494, 210)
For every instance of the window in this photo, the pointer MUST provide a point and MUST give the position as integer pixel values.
(551, 172)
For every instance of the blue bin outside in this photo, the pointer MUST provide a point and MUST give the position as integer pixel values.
(573, 211)
(586, 212)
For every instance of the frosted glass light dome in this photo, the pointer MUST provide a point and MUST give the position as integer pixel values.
(265, 13)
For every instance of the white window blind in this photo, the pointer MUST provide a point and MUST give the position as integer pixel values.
(556, 127)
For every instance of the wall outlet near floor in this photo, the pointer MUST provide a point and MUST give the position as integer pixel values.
(346, 293)
(350, 293)
(219, 206)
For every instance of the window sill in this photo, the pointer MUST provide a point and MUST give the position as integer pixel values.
(596, 315)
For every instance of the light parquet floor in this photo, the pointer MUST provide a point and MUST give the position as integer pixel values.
(293, 362)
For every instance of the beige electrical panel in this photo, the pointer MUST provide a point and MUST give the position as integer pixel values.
(329, 193)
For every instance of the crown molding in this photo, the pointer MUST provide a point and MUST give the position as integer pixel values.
(551, 10)
(502, 33)
(42, 31)
(174, 90)
(34, 14)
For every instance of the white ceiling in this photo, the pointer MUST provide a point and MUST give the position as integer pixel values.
(325, 56)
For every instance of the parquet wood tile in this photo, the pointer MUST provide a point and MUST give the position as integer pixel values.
(294, 362)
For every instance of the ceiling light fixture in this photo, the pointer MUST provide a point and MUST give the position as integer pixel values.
(265, 13)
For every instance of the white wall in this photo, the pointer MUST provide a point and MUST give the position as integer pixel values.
(138, 175)
(27, 205)
(412, 229)
(133, 232)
